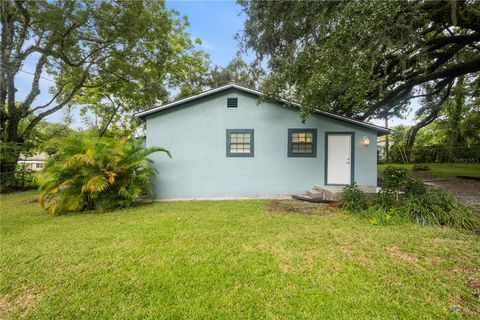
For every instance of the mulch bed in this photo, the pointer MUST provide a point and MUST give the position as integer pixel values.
(464, 189)
(467, 190)
(303, 207)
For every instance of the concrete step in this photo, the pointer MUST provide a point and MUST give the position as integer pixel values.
(304, 197)
(330, 193)
(314, 193)
(334, 193)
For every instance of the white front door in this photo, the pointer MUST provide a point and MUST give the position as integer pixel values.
(339, 155)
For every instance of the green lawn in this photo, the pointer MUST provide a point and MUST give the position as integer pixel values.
(230, 260)
(441, 170)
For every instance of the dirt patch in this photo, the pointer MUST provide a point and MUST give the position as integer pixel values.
(474, 284)
(464, 189)
(299, 207)
(399, 255)
(20, 304)
(29, 201)
(473, 278)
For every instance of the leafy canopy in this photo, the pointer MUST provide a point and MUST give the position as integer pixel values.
(362, 58)
(237, 71)
(93, 52)
(96, 173)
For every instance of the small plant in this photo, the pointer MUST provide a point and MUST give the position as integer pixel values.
(385, 200)
(413, 187)
(421, 167)
(394, 178)
(436, 207)
(353, 198)
(380, 217)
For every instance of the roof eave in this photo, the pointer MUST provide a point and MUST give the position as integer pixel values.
(380, 130)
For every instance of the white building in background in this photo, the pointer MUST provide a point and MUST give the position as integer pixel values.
(35, 162)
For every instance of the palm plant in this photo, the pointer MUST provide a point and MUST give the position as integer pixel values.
(96, 173)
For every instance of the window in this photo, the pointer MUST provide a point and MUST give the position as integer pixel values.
(39, 165)
(240, 143)
(302, 142)
(232, 102)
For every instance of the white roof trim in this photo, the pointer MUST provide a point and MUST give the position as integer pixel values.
(258, 93)
(197, 96)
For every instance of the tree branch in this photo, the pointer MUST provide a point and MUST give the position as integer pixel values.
(49, 102)
(460, 39)
(69, 97)
(117, 107)
(412, 133)
(35, 91)
(448, 72)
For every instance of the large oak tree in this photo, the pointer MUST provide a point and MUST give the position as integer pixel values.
(128, 51)
(365, 59)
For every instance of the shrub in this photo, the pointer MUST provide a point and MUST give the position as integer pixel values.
(436, 207)
(394, 177)
(385, 199)
(24, 177)
(96, 173)
(421, 167)
(353, 198)
(413, 187)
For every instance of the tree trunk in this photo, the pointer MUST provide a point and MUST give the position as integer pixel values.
(387, 143)
(411, 135)
(8, 164)
(434, 111)
(454, 113)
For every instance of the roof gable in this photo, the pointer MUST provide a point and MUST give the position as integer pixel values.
(378, 129)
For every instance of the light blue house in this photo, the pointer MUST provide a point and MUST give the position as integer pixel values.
(227, 144)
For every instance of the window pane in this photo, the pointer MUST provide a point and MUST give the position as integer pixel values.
(308, 137)
(240, 143)
(302, 147)
(301, 142)
(295, 137)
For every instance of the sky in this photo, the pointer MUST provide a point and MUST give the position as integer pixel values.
(215, 23)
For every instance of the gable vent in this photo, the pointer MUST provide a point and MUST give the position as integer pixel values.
(232, 102)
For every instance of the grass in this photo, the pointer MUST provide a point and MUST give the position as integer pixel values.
(441, 170)
(230, 260)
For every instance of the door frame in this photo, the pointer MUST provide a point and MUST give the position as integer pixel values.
(352, 155)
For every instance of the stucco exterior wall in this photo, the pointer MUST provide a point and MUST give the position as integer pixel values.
(195, 134)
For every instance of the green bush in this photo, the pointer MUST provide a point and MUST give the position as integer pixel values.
(413, 187)
(353, 198)
(394, 178)
(385, 200)
(436, 207)
(402, 199)
(24, 177)
(421, 167)
(96, 173)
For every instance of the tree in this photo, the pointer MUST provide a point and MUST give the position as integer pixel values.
(450, 108)
(129, 51)
(237, 71)
(428, 112)
(362, 58)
